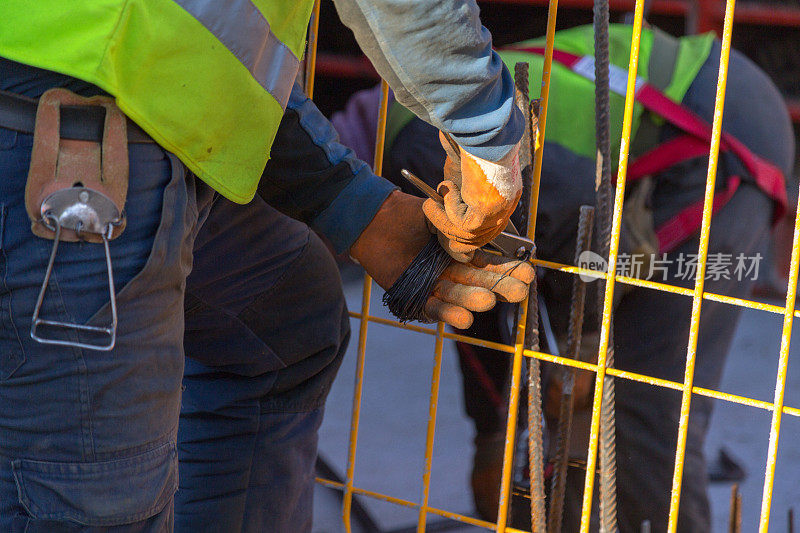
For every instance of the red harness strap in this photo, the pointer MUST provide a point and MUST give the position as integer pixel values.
(695, 143)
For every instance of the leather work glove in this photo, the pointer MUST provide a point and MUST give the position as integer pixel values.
(396, 235)
(479, 197)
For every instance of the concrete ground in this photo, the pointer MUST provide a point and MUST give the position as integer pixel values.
(391, 440)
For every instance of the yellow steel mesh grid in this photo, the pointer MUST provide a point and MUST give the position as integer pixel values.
(517, 350)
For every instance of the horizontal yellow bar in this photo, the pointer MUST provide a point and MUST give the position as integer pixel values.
(665, 287)
(565, 361)
(405, 503)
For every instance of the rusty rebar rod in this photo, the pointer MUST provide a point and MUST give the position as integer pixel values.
(607, 444)
(535, 441)
(735, 516)
(574, 334)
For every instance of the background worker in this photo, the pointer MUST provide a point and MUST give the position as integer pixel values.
(90, 438)
(651, 328)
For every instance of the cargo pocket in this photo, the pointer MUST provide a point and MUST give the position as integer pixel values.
(106, 493)
(11, 354)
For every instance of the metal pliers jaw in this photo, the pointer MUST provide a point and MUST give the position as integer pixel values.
(82, 210)
(511, 244)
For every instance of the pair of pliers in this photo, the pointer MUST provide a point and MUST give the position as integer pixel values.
(509, 242)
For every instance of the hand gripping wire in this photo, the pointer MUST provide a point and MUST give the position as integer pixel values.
(81, 210)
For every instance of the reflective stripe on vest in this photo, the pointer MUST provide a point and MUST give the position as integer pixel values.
(207, 79)
(241, 27)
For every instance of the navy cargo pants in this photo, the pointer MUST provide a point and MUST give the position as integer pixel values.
(90, 440)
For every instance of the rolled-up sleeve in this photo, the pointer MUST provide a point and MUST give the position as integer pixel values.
(438, 58)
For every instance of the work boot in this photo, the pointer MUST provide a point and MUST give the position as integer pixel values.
(487, 471)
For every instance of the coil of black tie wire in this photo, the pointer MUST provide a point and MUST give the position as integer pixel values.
(407, 296)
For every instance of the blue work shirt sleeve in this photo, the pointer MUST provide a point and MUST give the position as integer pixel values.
(438, 58)
(312, 177)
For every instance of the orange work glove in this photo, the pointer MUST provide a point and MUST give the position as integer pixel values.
(396, 235)
(477, 286)
(479, 197)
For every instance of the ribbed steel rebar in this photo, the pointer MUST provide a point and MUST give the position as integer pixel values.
(607, 444)
(535, 452)
(574, 331)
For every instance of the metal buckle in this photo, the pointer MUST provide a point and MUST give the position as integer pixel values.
(82, 210)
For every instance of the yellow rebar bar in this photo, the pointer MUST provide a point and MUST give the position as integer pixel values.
(697, 299)
(592, 367)
(780, 380)
(347, 500)
(519, 343)
(431, 431)
(544, 95)
(311, 47)
(616, 224)
(511, 422)
(664, 287)
(698, 294)
(406, 503)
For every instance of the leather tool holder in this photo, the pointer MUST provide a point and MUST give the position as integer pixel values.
(97, 171)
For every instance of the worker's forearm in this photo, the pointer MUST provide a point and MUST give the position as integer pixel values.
(438, 59)
(313, 178)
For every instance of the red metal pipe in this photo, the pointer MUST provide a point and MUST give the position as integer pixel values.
(344, 66)
(709, 13)
(765, 14)
(661, 7)
(793, 104)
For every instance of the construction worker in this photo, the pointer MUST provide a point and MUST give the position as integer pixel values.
(121, 212)
(661, 221)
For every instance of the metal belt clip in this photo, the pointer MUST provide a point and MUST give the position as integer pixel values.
(81, 210)
(76, 191)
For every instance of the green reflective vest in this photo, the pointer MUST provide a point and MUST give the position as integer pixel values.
(570, 112)
(207, 79)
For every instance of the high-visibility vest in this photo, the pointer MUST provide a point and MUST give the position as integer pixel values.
(571, 105)
(570, 113)
(695, 141)
(208, 80)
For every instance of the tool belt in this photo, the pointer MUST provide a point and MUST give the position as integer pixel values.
(79, 143)
(77, 183)
(78, 122)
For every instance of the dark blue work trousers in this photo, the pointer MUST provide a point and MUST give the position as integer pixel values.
(90, 440)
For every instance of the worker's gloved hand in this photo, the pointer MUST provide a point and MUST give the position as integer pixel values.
(396, 235)
(477, 286)
(479, 197)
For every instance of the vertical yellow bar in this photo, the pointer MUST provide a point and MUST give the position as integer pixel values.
(780, 380)
(347, 499)
(519, 342)
(538, 141)
(511, 425)
(616, 224)
(432, 407)
(311, 54)
(697, 299)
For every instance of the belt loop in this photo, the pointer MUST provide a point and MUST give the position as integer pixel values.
(76, 191)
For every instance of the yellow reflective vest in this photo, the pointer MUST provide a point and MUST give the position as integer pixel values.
(207, 79)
